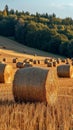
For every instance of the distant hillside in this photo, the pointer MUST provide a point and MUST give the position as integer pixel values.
(41, 31)
(11, 47)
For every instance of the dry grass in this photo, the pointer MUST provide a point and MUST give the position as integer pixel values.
(33, 116)
(36, 116)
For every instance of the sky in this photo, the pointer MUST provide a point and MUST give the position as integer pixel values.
(62, 8)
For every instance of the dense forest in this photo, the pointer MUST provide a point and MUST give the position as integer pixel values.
(42, 31)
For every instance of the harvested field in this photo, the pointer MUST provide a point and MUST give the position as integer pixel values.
(33, 115)
(36, 116)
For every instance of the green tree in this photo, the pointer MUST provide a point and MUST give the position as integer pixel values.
(63, 49)
(7, 9)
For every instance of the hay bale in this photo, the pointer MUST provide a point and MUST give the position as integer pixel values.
(30, 60)
(40, 62)
(54, 63)
(35, 84)
(67, 62)
(34, 61)
(63, 60)
(51, 59)
(14, 60)
(20, 65)
(4, 59)
(46, 61)
(65, 71)
(72, 63)
(50, 64)
(6, 73)
(28, 65)
(58, 60)
(25, 60)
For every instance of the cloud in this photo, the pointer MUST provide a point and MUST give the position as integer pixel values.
(61, 6)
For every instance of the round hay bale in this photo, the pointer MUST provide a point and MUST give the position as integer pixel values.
(46, 61)
(4, 59)
(72, 63)
(34, 62)
(38, 61)
(20, 65)
(28, 65)
(67, 62)
(14, 60)
(54, 63)
(25, 60)
(35, 84)
(63, 60)
(6, 73)
(58, 60)
(65, 71)
(51, 59)
(50, 64)
(30, 60)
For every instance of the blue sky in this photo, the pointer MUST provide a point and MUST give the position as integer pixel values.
(62, 8)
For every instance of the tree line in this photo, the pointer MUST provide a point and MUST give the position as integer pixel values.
(42, 31)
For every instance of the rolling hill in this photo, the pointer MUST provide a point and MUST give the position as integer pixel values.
(10, 47)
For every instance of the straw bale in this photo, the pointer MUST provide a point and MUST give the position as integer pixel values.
(65, 71)
(54, 63)
(28, 65)
(40, 62)
(4, 59)
(63, 60)
(35, 62)
(6, 73)
(58, 60)
(50, 64)
(51, 59)
(30, 60)
(20, 65)
(14, 60)
(35, 84)
(72, 63)
(25, 60)
(67, 62)
(46, 61)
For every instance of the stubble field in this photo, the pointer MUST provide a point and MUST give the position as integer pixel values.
(34, 116)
